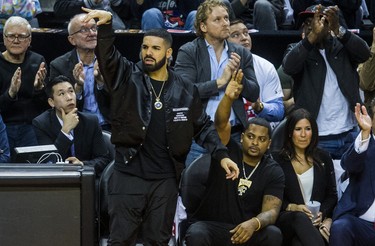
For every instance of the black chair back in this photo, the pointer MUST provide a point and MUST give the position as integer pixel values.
(278, 136)
(193, 182)
(109, 144)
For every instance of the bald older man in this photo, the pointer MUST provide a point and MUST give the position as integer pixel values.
(80, 66)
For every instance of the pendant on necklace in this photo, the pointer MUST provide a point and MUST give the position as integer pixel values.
(158, 105)
(243, 185)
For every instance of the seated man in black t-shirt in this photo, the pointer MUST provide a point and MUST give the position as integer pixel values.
(253, 200)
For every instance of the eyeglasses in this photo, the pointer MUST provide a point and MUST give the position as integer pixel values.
(86, 30)
(20, 37)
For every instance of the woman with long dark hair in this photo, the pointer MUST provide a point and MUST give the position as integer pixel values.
(309, 176)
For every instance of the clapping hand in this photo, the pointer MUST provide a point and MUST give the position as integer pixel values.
(231, 67)
(79, 74)
(331, 14)
(98, 75)
(40, 77)
(318, 26)
(15, 83)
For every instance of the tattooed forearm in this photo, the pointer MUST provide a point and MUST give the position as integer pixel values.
(270, 210)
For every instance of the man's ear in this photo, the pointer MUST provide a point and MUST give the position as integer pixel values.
(169, 52)
(269, 144)
(51, 102)
(202, 26)
(71, 40)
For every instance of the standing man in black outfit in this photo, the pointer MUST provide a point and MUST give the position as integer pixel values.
(155, 116)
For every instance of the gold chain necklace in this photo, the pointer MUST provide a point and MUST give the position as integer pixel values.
(158, 104)
(244, 172)
(245, 183)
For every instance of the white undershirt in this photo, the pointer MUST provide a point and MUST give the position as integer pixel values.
(334, 114)
(306, 180)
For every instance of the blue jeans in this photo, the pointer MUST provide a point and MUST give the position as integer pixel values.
(153, 18)
(337, 144)
(20, 135)
(264, 16)
(195, 151)
(4, 144)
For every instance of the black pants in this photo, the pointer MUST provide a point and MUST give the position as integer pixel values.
(205, 233)
(349, 230)
(298, 230)
(137, 205)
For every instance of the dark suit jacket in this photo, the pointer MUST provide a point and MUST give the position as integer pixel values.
(324, 186)
(360, 193)
(64, 65)
(193, 64)
(88, 139)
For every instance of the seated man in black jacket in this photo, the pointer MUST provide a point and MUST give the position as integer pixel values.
(77, 136)
(240, 211)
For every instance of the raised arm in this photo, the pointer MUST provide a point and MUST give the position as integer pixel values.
(353, 159)
(232, 93)
(108, 57)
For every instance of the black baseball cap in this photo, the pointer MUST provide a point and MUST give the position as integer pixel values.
(309, 12)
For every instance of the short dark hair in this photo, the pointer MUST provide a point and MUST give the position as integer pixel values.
(260, 122)
(57, 80)
(161, 33)
(236, 21)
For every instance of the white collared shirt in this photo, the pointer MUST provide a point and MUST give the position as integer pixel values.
(361, 146)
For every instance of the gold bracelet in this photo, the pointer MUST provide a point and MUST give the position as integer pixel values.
(259, 224)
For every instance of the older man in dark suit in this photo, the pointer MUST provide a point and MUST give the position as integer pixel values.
(76, 135)
(80, 66)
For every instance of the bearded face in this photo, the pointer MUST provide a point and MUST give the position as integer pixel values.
(150, 64)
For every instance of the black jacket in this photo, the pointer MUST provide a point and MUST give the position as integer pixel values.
(131, 107)
(193, 63)
(88, 139)
(324, 184)
(308, 69)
